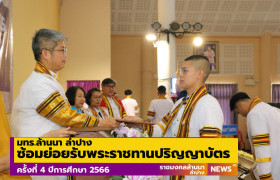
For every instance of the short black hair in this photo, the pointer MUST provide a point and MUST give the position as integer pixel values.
(237, 97)
(108, 81)
(89, 94)
(71, 94)
(127, 92)
(196, 57)
(205, 66)
(161, 90)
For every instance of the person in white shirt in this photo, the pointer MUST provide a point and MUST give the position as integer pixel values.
(130, 105)
(93, 99)
(41, 105)
(196, 115)
(263, 124)
(159, 107)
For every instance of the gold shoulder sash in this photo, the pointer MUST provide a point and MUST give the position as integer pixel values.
(183, 130)
(94, 113)
(103, 113)
(122, 112)
(56, 109)
(108, 105)
(255, 101)
(40, 68)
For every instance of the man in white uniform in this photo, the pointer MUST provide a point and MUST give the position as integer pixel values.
(197, 115)
(263, 124)
(130, 105)
(41, 105)
(159, 107)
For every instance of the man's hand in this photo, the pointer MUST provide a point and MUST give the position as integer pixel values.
(110, 122)
(60, 133)
(133, 119)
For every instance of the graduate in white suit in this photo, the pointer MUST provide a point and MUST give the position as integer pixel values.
(196, 115)
(263, 124)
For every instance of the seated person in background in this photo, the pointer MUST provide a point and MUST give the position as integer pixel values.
(93, 99)
(76, 98)
(114, 105)
(159, 107)
(130, 105)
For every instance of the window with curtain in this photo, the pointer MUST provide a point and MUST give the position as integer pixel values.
(276, 93)
(223, 93)
(86, 85)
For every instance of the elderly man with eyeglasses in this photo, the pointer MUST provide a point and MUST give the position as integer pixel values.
(41, 105)
(113, 104)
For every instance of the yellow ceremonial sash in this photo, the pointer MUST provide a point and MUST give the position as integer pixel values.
(267, 176)
(96, 114)
(40, 68)
(183, 130)
(151, 113)
(122, 113)
(56, 109)
(167, 120)
(103, 113)
(177, 178)
(255, 101)
(261, 140)
(109, 107)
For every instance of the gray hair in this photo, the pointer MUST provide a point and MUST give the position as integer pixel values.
(45, 38)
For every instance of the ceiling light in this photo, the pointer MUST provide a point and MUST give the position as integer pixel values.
(175, 26)
(151, 37)
(186, 26)
(197, 26)
(197, 41)
(156, 25)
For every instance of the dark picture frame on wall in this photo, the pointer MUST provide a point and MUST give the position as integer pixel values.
(211, 51)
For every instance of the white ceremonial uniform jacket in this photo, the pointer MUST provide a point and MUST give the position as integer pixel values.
(263, 123)
(26, 122)
(207, 112)
(42, 106)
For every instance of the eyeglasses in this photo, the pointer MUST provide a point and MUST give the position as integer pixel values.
(112, 86)
(64, 50)
(184, 70)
